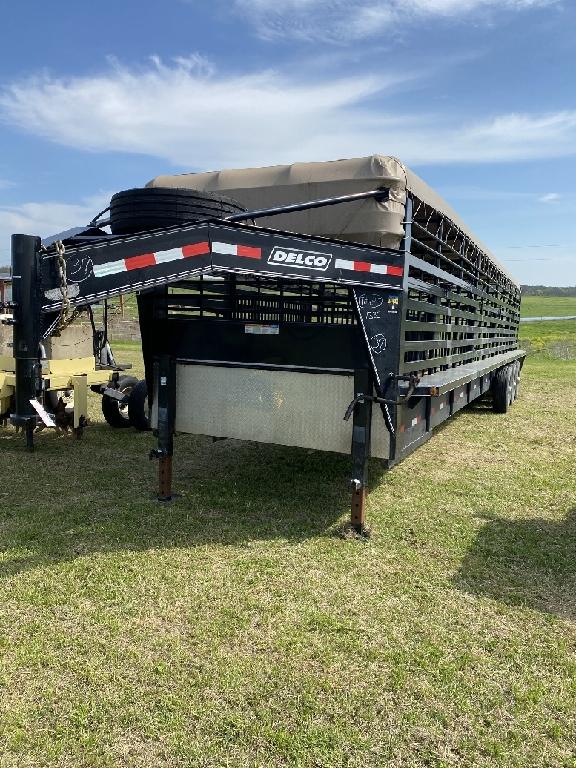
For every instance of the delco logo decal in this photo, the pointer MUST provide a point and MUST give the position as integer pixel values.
(300, 259)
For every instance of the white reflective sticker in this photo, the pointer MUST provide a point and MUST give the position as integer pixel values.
(110, 268)
(54, 294)
(173, 254)
(225, 248)
(262, 330)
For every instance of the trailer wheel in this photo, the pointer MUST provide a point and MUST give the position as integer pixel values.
(501, 386)
(138, 407)
(516, 375)
(116, 414)
(137, 210)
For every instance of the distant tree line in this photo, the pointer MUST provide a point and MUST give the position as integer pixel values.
(546, 290)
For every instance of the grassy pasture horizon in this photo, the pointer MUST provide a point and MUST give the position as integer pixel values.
(548, 306)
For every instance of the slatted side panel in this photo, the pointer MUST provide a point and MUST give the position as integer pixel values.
(460, 306)
(262, 300)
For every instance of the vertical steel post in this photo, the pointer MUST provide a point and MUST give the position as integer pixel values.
(361, 428)
(406, 244)
(397, 446)
(26, 299)
(165, 397)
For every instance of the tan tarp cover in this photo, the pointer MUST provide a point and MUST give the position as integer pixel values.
(367, 221)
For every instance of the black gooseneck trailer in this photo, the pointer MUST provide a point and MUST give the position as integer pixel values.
(268, 335)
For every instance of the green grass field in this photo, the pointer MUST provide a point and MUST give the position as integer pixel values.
(556, 339)
(235, 627)
(548, 306)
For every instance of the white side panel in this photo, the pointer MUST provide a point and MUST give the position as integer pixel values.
(282, 407)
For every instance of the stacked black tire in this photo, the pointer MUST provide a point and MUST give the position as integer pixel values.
(141, 209)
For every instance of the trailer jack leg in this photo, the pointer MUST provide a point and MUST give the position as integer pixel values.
(165, 395)
(362, 423)
(358, 515)
(165, 479)
(29, 428)
(164, 475)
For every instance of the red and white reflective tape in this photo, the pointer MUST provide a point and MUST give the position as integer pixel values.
(174, 254)
(367, 266)
(228, 249)
(233, 249)
(151, 259)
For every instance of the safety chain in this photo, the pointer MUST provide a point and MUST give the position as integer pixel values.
(63, 318)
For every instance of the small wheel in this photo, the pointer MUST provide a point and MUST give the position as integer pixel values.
(116, 413)
(501, 390)
(138, 407)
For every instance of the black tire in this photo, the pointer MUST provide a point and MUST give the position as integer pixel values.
(115, 414)
(501, 390)
(138, 407)
(137, 210)
(516, 374)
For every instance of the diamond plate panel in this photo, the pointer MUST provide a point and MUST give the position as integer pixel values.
(282, 407)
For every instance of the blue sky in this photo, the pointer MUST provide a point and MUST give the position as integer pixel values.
(476, 96)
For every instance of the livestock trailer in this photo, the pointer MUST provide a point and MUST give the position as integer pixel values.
(367, 320)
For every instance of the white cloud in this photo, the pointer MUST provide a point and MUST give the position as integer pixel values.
(46, 218)
(550, 197)
(181, 112)
(193, 117)
(341, 20)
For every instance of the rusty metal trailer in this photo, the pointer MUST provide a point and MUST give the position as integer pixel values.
(263, 334)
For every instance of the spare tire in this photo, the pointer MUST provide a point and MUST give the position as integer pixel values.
(137, 210)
